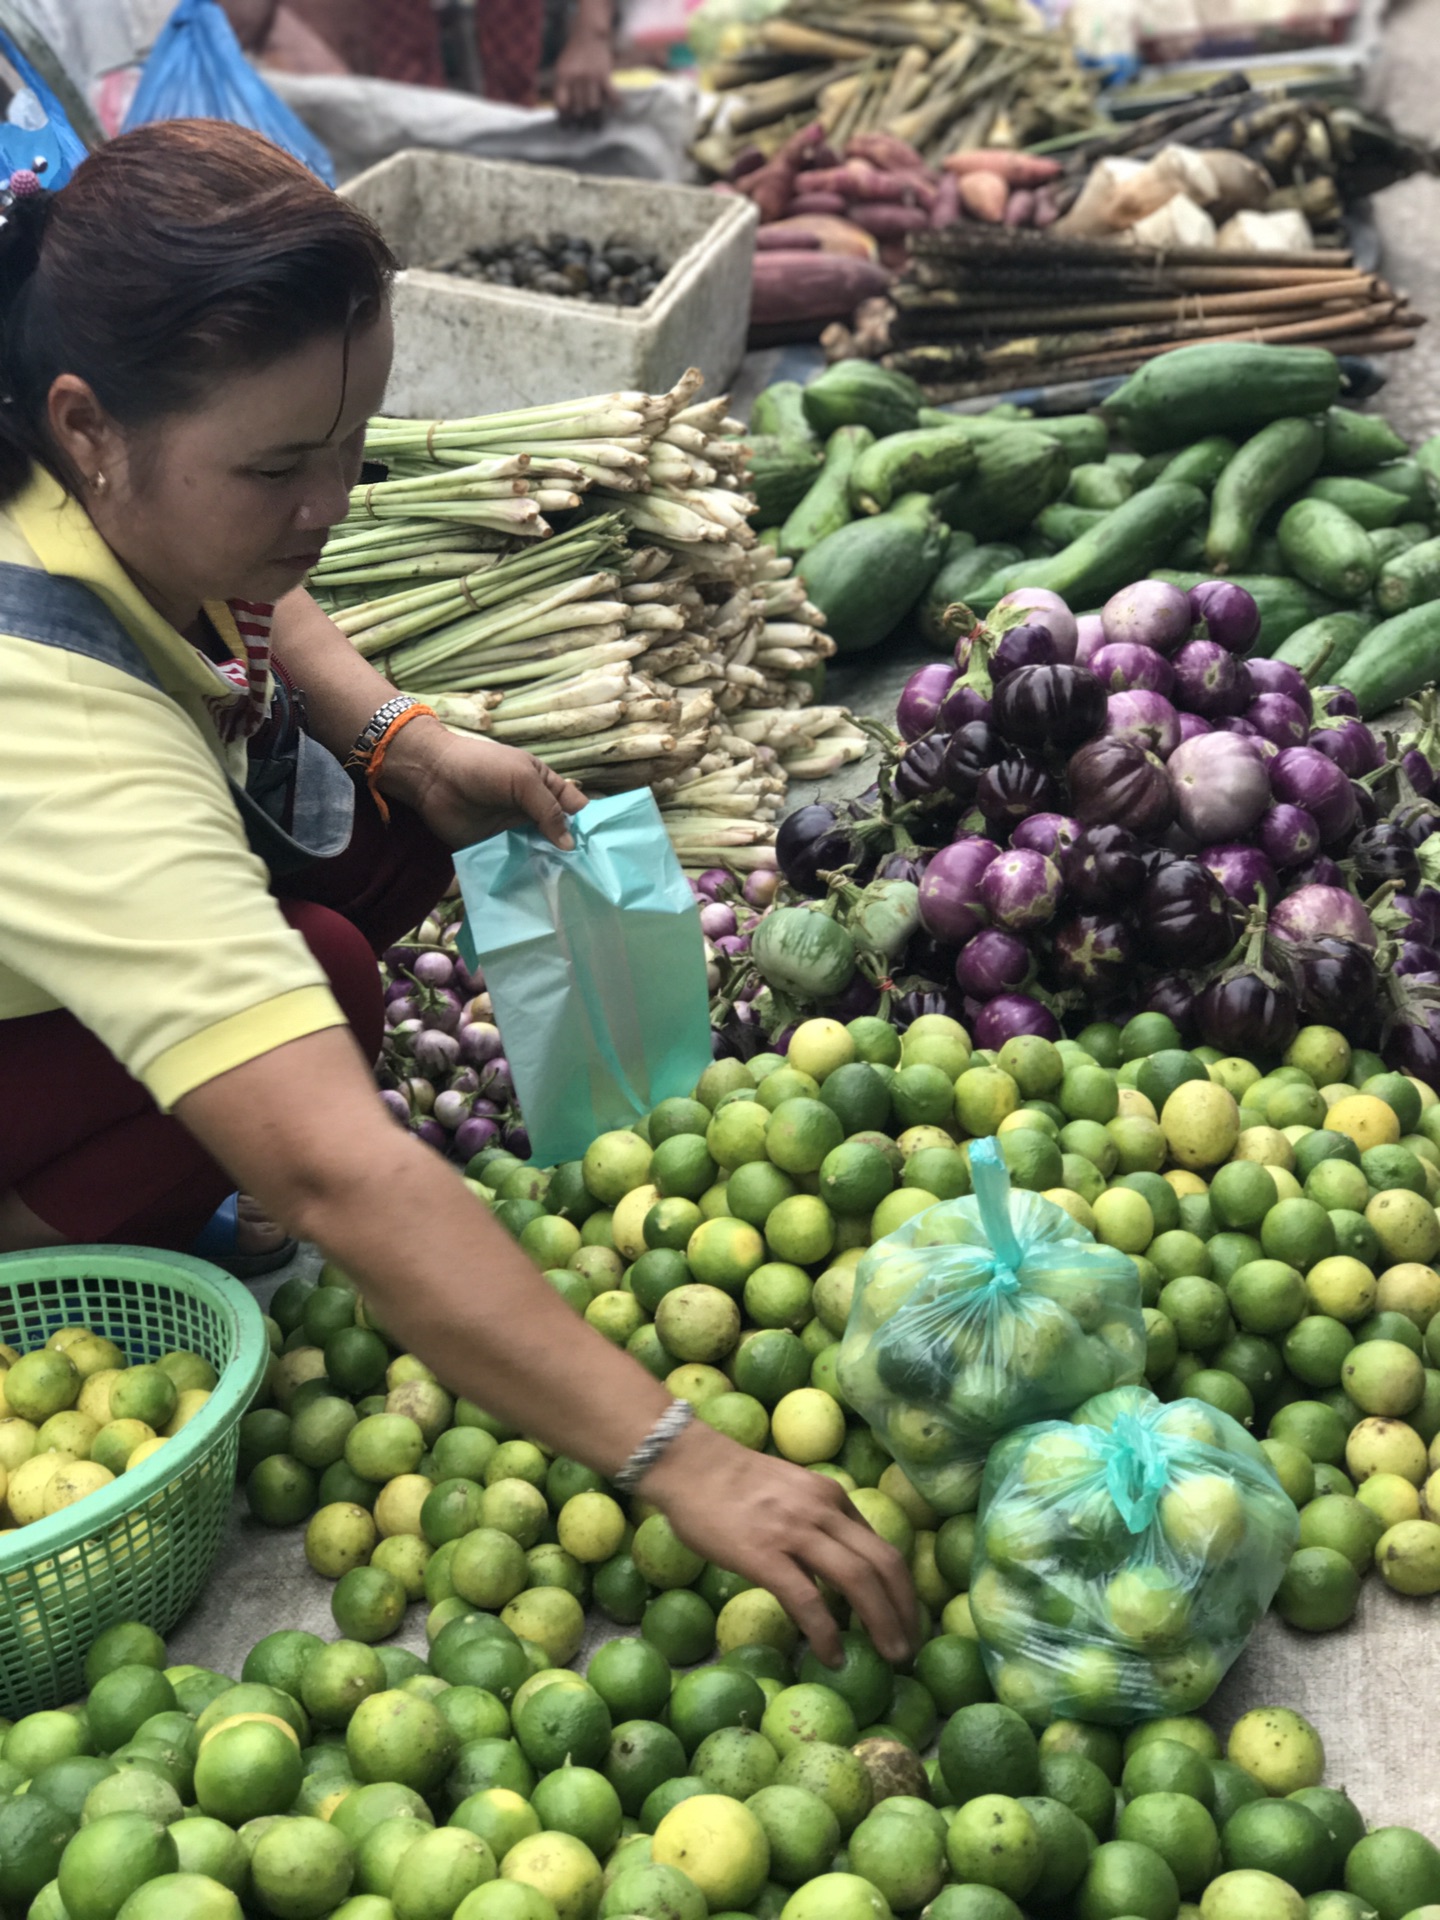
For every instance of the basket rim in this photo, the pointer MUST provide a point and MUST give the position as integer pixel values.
(97, 1512)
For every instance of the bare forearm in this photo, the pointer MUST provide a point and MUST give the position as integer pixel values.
(444, 1279)
(595, 16)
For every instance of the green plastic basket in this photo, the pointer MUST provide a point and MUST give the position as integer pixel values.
(143, 1548)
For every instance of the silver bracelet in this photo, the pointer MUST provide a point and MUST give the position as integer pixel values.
(661, 1437)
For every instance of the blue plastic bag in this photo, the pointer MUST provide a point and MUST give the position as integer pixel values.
(1122, 1560)
(56, 142)
(978, 1316)
(197, 71)
(595, 963)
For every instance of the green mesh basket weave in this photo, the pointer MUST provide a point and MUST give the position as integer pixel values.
(143, 1548)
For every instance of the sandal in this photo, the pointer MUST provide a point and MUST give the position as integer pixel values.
(218, 1241)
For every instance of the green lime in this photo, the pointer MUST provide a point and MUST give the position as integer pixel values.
(855, 1178)
(988, 1748)
(681, 1625)
(858, 1096)
(753, 1191)
(1031, 1158)
(1168, 1767)
(1180, 1829)
(681, 1167)
(1281, 1837)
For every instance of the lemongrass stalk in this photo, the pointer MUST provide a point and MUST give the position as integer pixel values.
(588, 690)
(479, 669)
(430, 566)
(742, 859)
(406, 600)
(788, 659)
(537, 671)
(619, 744)
(468, 710)
(511, 624)
(577, 723)
(655, 618)
(681, 434)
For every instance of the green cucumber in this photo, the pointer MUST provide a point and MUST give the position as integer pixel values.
(1202, 464)
(1129, 464)
(1368, 506)
(825, 507)
(779, 412)
(1355, 442)
(1410, 579)
(1083, 435)
(780, 473)
(1387, 542)
(1321, 647)
(920, 461)
(1098, 485)
(858, 393)
(868, 576)
(1268, 556)
(964, 567)
(1285, 605)
(1394, 660)
(1061, 523)
(1123, 548)
(1278, 461)
(1428, 454)
(1325, 547)
(1413, 484)
(1178, 397)
(1016, 475)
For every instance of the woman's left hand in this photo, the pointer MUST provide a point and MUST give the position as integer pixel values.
(467, 789)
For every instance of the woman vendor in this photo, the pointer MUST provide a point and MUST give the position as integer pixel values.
(193, 334)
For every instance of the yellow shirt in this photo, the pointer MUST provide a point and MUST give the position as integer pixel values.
(128, 892)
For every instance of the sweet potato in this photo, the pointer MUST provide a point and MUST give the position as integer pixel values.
(885, 150)
(748, 160)
(1020, 208)
(823, 155)
(785, 237)
(772, 187)
(946, 210)
(834, 235)
(793, 287)
(804, 203)
(984, 195)
(1015, 169)
(887, 221)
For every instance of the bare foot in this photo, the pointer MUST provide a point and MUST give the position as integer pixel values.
(255, 1231)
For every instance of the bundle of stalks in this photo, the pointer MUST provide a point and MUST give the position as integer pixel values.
(944, 75)
(647, 640)
(983, 311)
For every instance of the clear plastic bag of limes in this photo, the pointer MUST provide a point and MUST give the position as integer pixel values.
(1123, 1558)
(979, 1316)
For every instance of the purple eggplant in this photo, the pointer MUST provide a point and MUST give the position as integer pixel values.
(950, 905)
(1418, 915)
(861, 997)
(1335, 701)
(1104, 868)
(1209, 680)
(963, 702)
(1323, 913)
(1090, 636)
(1057, 706)
(1025, 646)
(1048, 611)
(968, 752)
(1412, 1044)
(1349, 743)
(1172, 995)
(1275, 716)
(1412, 958)
(1020, 889)
(1380, 853)
(812, 841)
(1010, 1015)
(1124, 666)
(1418, 771)
(1192, 727)
(917, 711)
(1273, 676)
(1048, 833)
(920, 771)
(1322, 871)
(1221, 787)
(1183, 918)
(1148, 719)
(1152, 613)
(1114, 781)
(1333, 980)
(904, 864)
(1307, 779)
(1248, 1011)
(1225, 613)
(1094, 952)
(1243, 872)
(991, 963)
(1288, 837)
(1012, 790)
(908, 1007)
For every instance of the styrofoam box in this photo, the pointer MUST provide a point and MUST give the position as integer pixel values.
(465, 346)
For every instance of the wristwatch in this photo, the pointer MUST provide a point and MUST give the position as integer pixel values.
(374, 730)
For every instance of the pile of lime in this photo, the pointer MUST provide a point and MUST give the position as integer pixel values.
(337, 1779)
(75, 1414)
(1282, 1223)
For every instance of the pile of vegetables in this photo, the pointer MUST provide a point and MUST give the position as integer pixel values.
(583, 580)
(1232, 460)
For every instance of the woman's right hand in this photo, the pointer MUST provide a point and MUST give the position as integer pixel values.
(783, 1527)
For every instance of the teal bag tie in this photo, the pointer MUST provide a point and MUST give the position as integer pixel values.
(1136, 1471)
(595, 964)
(991, 1181)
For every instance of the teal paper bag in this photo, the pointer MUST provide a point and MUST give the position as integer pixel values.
(595, 963)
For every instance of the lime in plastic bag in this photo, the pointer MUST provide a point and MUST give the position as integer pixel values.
(1122, 1559)
(595, 962)
(979, 1316)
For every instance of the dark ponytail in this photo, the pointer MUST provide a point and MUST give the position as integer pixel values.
(179, 254)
